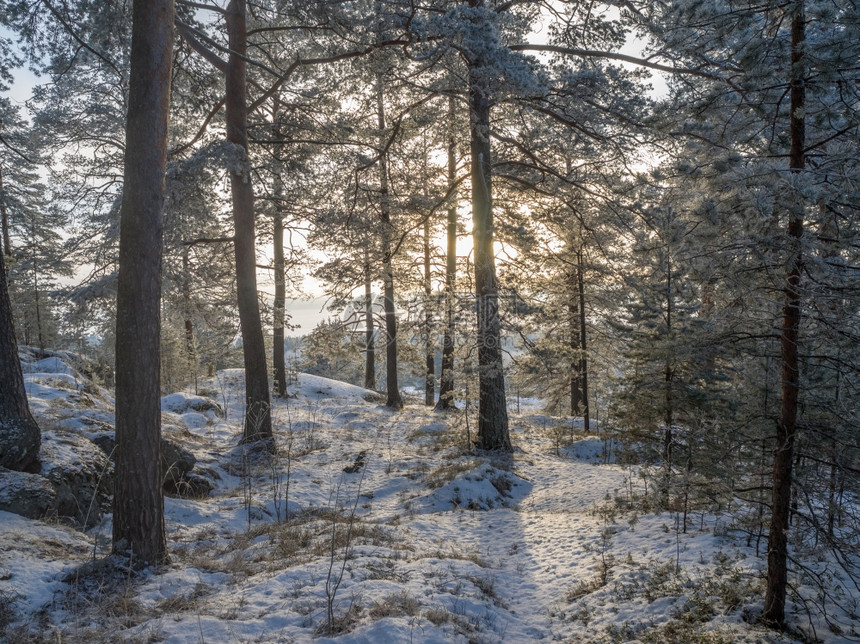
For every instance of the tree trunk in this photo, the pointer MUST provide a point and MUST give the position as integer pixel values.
(258, 420)
(138, 505)
(369, 327)
(576, 400)
(668, 410)
(190, 353)
(391, 383)
(278, 360)
(583, 356)
(492, 410)
(4, 219)
(279, 366)
(37, 305)
(429, 349)
(19, 434)
(446, 382)
(777, 551)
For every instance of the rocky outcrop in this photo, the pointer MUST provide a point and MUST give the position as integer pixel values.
(29, 495)
(188, 486)
(176, 461)
(177, 464)
(74, 484)
(181, 403)
(81, 474)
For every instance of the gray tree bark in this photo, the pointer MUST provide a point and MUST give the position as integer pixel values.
(138, 504)
(4, 219)
(493, 431)
(20, 437)
(392, 386)
(258, 419)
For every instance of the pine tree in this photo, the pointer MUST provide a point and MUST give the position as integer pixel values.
(775, 100)
(20, 436)
(138, 507)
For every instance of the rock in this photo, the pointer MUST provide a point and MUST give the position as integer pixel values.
(81, 474)
(245, 456)
(358, 464)
(19, 443)
(180, 403)
(30, 495)
(105, 442)
(188, 486)
(176, 461)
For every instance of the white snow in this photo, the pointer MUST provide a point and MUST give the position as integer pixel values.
(431, 543)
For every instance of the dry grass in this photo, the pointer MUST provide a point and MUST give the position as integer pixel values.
(395, 605)
(448, 472)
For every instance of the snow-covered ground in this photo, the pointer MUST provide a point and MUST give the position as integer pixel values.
(378, 526)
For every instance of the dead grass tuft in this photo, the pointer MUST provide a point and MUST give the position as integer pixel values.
(395, 605)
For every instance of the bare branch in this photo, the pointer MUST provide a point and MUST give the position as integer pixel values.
(634, 60)
(188, 34)
(201, 5)
(208, 240)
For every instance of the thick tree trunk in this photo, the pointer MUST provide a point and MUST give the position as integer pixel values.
(19, 434)
(392, 386)
(446, 382)
(493, 414)
(258, 420)
(138, 505)
(786, 431)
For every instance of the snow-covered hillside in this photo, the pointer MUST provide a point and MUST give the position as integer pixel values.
(377, 526)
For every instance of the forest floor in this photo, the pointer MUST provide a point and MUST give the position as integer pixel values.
(371, 525)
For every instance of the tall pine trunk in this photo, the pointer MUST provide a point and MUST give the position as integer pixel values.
(786, 431)
(583, 343)
(576, 392)
(40, 334)
(4, 219)
(429, 349)
(492, 410)
(668, 374)
(190, 353)
(19, 434)
(392, 386)
(446, 382)
(279, 367)
(138, 504)
(258, 419)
